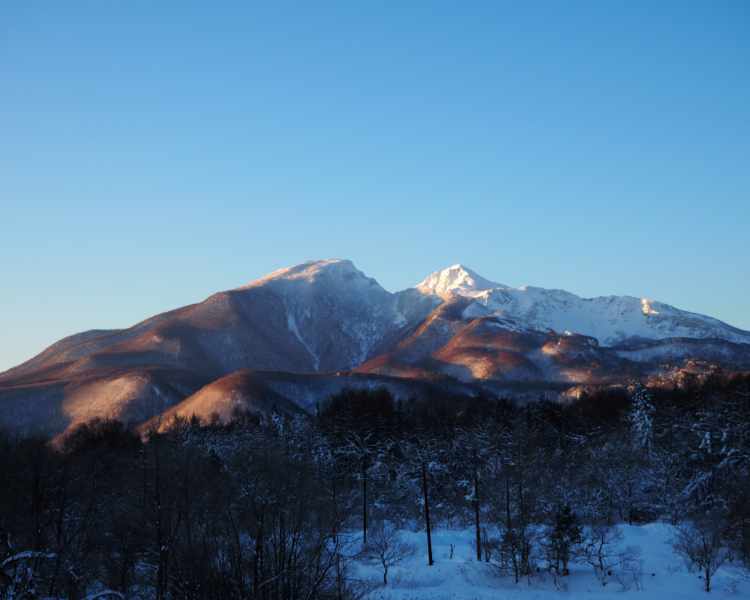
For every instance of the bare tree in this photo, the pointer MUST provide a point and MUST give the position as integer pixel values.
(361, 446)
(599, 549)
(385, 547)
(701, 544)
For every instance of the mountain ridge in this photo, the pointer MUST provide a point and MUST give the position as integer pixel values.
(329, 318)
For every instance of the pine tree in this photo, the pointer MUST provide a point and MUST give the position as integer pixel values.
(564, 536)
(641, 418)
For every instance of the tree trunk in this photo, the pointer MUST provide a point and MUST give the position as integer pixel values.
(257, 559)
(512, 541)
(476, 513)
(161, 575)
(430, 562)
(364, 501)
(508, 521)
(60, 527)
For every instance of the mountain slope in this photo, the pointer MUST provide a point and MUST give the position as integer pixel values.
(260, 392)
(319, 316)
(326, 316)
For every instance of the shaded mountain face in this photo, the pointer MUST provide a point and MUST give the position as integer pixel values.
(247, 391)
(455, 328)
(319, 316)
(495, 350)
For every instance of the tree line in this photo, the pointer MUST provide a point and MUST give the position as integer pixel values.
(275, 507)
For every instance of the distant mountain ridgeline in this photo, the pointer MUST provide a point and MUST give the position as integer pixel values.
(303, 333)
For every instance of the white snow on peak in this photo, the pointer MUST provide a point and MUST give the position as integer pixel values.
(331, 268)
(456, 280)
(334, 310)
(609, 319)
(333, 294)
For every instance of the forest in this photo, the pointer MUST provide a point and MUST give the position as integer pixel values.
(277, 507)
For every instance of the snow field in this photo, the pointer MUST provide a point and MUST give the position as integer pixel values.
(664, 575)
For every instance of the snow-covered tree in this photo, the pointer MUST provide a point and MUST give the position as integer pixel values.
(641, 419)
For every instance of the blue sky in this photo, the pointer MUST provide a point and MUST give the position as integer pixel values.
(153, 153)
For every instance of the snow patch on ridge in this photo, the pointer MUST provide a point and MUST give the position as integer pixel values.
(647, 308)
(292, 325)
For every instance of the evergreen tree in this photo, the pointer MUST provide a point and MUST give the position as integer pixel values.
(562, 539)
(641, 418)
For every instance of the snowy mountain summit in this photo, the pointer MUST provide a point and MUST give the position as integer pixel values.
(456, 280)
(333, 271)
(609, 319)
(334, 293)
(333, 308)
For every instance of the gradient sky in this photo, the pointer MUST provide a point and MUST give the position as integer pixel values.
(152, 153)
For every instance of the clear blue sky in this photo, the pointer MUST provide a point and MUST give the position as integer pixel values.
(152, 153)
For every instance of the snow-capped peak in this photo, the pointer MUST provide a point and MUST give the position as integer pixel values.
(336, 312)
(331, 270)
(309, 289)
(609, 319)
(456, 280)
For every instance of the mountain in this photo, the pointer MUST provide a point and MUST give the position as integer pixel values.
(336, 313)
(291, 338)
(609, 319)
(496, 351)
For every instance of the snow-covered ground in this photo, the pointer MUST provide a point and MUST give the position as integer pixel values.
(664, 575)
